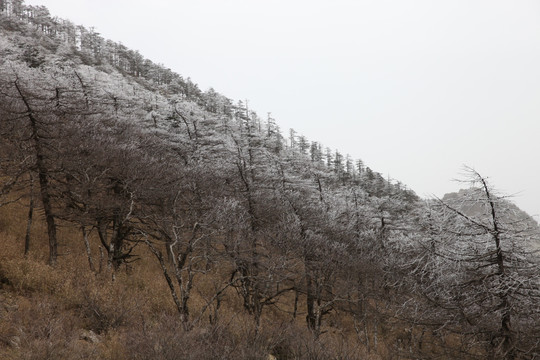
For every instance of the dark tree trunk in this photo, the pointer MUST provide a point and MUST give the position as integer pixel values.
(43, 179)
(507, 342)
(30, 218)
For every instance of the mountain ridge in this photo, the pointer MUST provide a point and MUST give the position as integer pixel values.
(236, 241)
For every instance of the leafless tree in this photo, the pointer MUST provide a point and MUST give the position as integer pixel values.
(29, 112)
(478, 272)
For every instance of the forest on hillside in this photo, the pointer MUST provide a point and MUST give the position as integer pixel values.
(119, 176)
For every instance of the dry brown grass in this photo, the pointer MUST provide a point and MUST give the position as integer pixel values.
(69, 312)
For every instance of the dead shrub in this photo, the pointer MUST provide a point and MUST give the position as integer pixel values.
(167, 340)
(27, 276)
(40, 329)
(108, 306)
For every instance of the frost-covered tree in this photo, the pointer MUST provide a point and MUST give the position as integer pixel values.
(32, 118)
(478, 271)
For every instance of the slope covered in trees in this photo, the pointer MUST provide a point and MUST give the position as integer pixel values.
(241, 233)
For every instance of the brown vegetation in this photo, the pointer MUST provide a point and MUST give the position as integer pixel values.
(70, 312)
(141, 218)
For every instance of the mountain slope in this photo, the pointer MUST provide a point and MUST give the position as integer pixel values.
(135, 163)
(232, 240)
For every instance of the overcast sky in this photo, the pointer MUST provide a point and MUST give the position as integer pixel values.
(415, 88)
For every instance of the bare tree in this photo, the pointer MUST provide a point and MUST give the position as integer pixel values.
(478, 271)
(29, 111)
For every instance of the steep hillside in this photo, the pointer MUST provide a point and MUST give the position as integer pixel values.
(143, 218)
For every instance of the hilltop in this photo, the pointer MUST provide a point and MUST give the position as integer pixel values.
(143, 218)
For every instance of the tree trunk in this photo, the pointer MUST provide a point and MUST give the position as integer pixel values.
(30, 218)
(43, 179)
(313, 317)
(507, 344)
(88, 251)
(159, 257)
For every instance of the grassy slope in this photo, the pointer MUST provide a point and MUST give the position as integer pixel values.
(69, 312)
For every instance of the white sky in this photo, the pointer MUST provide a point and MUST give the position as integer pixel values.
(415, 88)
